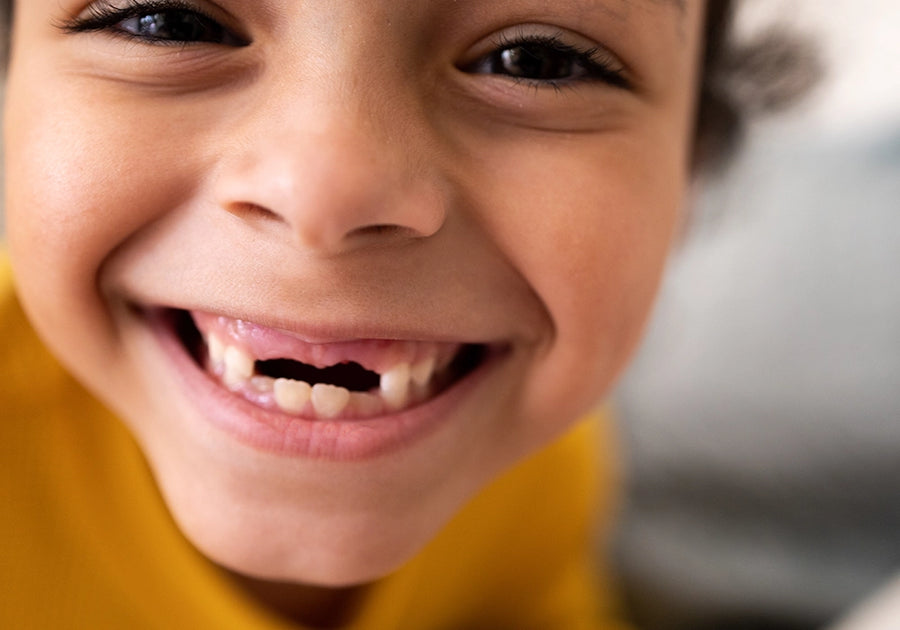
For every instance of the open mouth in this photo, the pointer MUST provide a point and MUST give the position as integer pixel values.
(359, 379)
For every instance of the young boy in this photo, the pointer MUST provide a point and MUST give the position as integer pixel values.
(353, 275)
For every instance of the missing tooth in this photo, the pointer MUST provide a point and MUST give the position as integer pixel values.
(350, 376)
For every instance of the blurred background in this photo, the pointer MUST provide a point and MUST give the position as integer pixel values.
(761, 419)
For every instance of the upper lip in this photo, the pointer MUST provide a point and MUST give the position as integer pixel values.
(332, 306)
(337, 331)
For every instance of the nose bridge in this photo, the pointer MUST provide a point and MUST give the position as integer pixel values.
(336, 158)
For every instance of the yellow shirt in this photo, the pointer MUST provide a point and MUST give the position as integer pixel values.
(87, 542)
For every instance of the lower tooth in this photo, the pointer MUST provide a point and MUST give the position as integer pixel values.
(365, 404)
(329, 400)
(262, 384)
(291, 396)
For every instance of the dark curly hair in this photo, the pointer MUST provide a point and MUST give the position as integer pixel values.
(766, 74)
(762, 75)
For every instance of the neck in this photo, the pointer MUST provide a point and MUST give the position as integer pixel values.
(311, 606)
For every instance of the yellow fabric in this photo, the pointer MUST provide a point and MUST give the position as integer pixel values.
(87, 542)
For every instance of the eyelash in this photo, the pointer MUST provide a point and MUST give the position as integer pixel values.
(595, 63)
(102, 16)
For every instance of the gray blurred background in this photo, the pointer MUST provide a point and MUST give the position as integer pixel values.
(761, 419)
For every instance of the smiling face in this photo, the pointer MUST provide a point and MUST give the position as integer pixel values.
(465, 204)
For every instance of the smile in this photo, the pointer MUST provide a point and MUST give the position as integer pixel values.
(277, 391)
(349, 399)
(346, 380)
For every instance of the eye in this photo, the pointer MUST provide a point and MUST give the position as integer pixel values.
(542, 59)
(155, 22)
(176, 26)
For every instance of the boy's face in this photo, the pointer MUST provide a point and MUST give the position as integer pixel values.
(488, 188)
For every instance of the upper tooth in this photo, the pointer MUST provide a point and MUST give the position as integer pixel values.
(238, 366)
(395, 385)
(421, 372)
(216, 349)
(291, 395)
(329, 400)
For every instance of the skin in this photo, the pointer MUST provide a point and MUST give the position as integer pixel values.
(258, 181)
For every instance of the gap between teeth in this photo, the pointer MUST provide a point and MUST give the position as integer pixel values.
(398, 385)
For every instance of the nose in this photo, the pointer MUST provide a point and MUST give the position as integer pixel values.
(332, 177)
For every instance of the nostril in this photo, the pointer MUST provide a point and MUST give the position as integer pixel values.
(250, 211)
(384, 229)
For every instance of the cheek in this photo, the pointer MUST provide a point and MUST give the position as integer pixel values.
(589, 227)
(598, 267)
(81, 181)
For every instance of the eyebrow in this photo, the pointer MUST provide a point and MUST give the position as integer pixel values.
(605, 5)
(678, 4)
(614, 7)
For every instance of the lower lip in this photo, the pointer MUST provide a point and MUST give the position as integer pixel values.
(281, 434)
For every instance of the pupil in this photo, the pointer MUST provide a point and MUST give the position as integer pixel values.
(178, 27)
(149, 24)
(534, 62)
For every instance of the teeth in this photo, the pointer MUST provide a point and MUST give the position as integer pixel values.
(395, 386)
(399, 386)
(291, 396)
(216, 350)
(329, 400)
(263, 384)
(238, 367)
(422, 371)
(365, 404)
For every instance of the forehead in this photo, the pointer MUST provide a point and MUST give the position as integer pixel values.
(622, 9)
(618, 9)
(630, 11)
